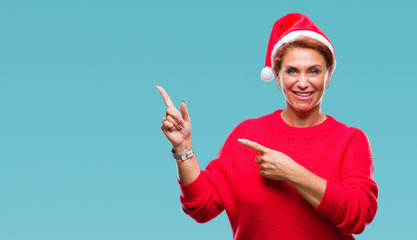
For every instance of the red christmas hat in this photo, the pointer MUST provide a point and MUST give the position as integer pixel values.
(287, 29)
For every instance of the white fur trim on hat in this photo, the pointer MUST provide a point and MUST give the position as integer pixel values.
(299, 34)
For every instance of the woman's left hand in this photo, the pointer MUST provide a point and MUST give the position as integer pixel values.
(276, 165)
(272, 164)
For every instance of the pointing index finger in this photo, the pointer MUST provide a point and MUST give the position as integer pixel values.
(254, 145)
(165, 96)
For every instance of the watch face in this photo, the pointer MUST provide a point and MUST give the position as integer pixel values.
(187, 155)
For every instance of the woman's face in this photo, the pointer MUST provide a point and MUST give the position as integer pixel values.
(303, 77)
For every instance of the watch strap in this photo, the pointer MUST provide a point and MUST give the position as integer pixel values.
(182, 156)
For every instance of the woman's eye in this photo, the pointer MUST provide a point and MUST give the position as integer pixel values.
(314, 72)
(291, 71)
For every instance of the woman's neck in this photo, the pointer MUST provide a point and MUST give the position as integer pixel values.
(308, 119)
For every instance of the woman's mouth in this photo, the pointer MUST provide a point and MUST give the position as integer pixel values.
(303, 95)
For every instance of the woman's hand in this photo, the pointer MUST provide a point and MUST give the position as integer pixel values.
(272, 164)
(175, 125)
(278, 166)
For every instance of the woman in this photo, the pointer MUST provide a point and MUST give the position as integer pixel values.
(293, 174)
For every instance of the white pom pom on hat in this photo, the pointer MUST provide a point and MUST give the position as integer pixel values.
(267, 74)
(287, 29)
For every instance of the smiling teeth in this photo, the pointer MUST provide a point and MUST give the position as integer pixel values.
(304, 94)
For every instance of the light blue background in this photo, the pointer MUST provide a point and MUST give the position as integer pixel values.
(81, 151)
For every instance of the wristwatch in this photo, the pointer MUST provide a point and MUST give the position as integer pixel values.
(182, 156)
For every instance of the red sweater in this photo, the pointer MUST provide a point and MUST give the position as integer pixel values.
(262, 208)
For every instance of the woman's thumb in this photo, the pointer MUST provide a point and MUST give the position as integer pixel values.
(184, 111)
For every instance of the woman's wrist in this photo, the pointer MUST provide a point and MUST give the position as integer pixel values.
(184, 147)
(296, 175)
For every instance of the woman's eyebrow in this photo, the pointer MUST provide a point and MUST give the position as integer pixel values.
(313, 66)
(316, 65)
(289, 66)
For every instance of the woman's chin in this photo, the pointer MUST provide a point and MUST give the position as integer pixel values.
(302, 109)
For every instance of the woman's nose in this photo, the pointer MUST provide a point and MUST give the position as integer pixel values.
(302, 81)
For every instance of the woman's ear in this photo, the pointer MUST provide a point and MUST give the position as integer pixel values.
(329, 77)
(277, 79)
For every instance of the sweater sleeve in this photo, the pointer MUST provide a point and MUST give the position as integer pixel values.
(351, 203)
(200, 200)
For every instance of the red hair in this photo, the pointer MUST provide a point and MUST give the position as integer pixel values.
(305, 42)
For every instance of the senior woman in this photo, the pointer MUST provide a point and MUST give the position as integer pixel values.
(293, 174)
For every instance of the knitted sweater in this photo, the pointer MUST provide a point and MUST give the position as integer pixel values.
(261, 208)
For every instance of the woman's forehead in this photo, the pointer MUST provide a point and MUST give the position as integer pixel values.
(299, 66)
(303, 58)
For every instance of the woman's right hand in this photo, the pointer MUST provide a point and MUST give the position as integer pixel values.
(175, 125)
